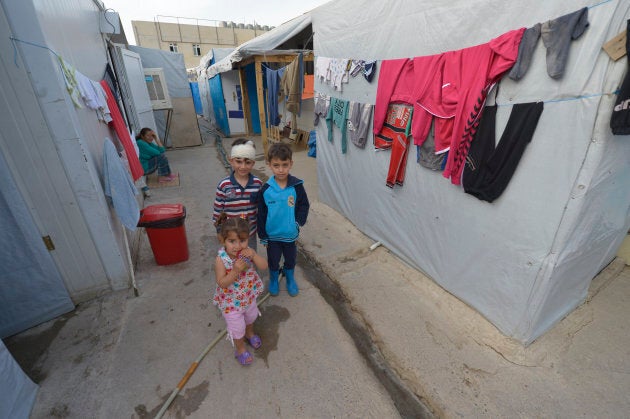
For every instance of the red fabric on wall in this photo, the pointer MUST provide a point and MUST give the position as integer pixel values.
(118, 123)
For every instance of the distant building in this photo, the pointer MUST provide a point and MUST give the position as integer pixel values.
(193, 40)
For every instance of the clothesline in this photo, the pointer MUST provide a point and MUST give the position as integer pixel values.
(96, 96)
(14, 39)
(566, 99)
(599, 4)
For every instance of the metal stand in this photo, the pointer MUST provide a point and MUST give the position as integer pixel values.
(169, 117)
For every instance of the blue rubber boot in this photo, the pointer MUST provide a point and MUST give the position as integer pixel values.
(274, 287)
(292, 287)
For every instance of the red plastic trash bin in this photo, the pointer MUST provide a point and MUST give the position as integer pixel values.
(167, 233)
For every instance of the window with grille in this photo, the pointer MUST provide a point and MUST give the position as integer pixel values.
(157, 88)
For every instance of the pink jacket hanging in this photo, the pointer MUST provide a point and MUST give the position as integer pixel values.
(451, 87)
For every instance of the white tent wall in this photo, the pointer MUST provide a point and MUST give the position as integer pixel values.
(527, 259)
(89, 240)
(202, 81)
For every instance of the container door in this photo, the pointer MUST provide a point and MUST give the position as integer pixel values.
(139, 92)
(31, 288)
(138, 107)
(233, 102)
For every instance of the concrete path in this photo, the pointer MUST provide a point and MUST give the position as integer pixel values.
(122, 356)
(423, 352)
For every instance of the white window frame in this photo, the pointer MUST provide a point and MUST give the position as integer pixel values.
(196, 50)
(173, 47)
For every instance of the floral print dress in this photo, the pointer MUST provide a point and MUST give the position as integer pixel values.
(242, 292)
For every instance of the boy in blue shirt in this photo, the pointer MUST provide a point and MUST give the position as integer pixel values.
(282, 209)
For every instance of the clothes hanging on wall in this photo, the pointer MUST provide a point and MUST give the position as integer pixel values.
(394, 135)
(118, 185)
(490, 168)
(322, 67)
(72, 86)
(620, 119)
(359, 117)
(291, 86)
(338, 115)
(427, 157)
(93, 96)
(312, 144)
(398, 121)
(322, 105)
(557, 35)
(339, 72)
(273, 90)
(118, 123)
(525, 52)
(452, 86)
(356, 67)
(368, 69)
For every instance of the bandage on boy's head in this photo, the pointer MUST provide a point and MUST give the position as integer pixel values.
(242, 148)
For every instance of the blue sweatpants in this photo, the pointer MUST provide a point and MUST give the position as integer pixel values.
(277, 249)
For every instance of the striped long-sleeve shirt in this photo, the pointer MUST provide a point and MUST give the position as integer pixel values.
(237, 201)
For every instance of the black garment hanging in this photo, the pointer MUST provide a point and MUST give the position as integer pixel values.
(620, 119)
(489, 168)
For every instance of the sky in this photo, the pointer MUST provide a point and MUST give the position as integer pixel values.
(262, 12)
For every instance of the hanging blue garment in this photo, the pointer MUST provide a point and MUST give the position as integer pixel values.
(273, 87)
(119, 186)
(312, 144)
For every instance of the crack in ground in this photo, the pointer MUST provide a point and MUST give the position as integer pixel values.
(408, 403)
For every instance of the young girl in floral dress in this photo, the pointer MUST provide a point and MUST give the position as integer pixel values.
(238, 285)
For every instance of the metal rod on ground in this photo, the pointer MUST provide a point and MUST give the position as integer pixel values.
(193, 367)
(130, 261)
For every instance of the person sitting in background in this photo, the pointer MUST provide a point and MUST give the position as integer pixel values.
(152, 156)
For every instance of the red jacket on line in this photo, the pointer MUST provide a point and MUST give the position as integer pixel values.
(451, 88)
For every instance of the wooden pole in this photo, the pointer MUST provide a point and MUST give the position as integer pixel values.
(247, 113)
(262, 113)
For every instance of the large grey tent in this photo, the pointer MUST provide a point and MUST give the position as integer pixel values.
(525, 260)
(269, 43)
